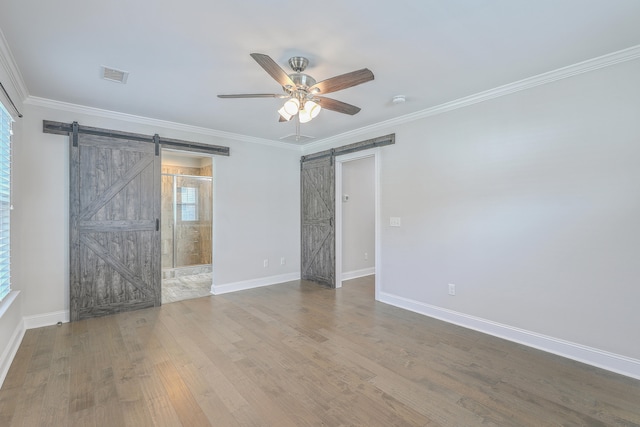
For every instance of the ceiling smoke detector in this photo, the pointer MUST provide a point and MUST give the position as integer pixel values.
(114, 75)
(399, 99)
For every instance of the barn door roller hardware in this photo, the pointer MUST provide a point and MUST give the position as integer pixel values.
(75, 129)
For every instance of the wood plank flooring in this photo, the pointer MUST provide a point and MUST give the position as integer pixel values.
(298, 354)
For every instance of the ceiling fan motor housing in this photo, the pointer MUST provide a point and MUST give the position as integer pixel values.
(298, 63)
(302, 81)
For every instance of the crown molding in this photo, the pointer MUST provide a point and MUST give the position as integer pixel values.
(603, 61)
(98, 112)
(8, 62)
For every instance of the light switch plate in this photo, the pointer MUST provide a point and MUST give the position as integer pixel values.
(395, 221)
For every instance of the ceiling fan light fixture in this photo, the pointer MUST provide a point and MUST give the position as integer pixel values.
(312, 108)
(304, 115)
(284, 114)
(291, 107)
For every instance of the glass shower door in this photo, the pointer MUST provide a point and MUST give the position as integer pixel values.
(192, 221)
(186, 221)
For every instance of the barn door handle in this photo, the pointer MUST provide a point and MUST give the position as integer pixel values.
(157, 224)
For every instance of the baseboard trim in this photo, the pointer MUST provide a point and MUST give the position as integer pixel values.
(46, 319)
(592, 356)
(10, 351)
(253, 283)
(358, 273)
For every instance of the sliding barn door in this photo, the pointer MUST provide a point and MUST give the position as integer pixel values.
(318, 232)
(114, 223)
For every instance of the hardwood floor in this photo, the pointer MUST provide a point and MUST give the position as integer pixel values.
(298, 354)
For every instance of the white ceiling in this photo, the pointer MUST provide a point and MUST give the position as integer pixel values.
(180, 55)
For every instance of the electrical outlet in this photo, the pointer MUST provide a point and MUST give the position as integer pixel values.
(282, 261)
(395, 221)
(366, 256)
(265, 263)
(452, 289)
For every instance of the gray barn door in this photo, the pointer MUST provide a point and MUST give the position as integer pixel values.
(318, 232)
(114, 219)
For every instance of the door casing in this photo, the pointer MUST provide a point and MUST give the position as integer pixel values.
(339, 161)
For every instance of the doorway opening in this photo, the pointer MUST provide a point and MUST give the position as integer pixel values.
(357, 217)
(187, 225)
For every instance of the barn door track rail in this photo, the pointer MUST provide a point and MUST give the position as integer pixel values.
(74, 129)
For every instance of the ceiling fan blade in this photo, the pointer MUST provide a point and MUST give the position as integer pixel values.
(339, 106)
(254, 95)
(273, 69)
(343, 81)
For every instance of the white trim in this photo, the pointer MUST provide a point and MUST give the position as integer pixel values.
(358, 273)
(338, 222)
(214, 218)
(524, 84)
(10, 351)
(340, 159)
(98, 112)
(378, 226)
(8, 301)
(592, 356)
(253, 283)
(8, 62)
(46, 319)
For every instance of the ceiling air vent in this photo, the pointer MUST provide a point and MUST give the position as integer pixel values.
(114, 75)
(296, 139)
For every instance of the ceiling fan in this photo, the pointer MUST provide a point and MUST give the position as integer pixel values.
(305, 97)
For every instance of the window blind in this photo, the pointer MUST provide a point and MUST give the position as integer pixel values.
(5, 201)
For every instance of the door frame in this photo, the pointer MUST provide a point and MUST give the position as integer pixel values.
(339, 160)
(214, 181)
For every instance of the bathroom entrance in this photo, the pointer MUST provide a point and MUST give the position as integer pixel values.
(187, 219)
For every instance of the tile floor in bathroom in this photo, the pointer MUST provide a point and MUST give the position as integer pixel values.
(186, 287)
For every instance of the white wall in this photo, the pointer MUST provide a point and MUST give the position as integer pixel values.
(529, 203)
(256, 202)
(358, 216)
(257, 208)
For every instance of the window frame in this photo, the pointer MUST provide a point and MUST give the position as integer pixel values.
(6, 154)
(190, 207)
